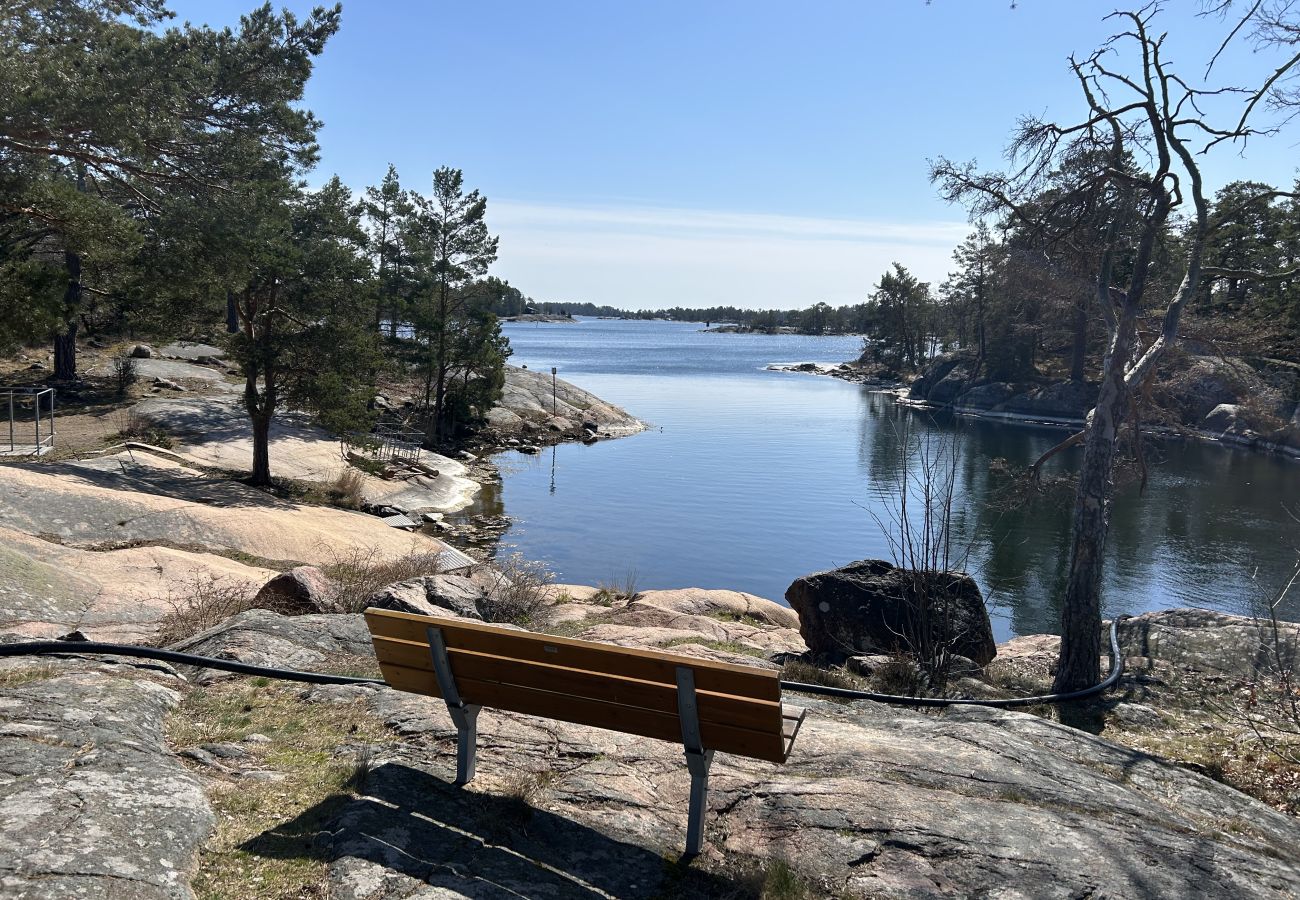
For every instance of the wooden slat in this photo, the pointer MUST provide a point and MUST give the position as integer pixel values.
(724, 709)
(766, 745)
(644, 665)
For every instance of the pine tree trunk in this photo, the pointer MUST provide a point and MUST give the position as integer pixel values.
(232, 313)
(65, 343)
(261, 450)
(1080, 660)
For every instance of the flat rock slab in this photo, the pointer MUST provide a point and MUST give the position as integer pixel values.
(191, 351)
(139, 497)
(215, 432)
(48, 590)
(264, 638)
(92, 804)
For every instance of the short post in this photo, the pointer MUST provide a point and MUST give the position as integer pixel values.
(555, 404)
(463, 715)
(698, 760)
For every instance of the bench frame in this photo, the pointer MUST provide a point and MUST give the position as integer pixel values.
(465, 717)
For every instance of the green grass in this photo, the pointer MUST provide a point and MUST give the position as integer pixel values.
(255, 818)
(722, 646)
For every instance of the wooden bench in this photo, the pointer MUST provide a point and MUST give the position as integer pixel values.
(706, 706)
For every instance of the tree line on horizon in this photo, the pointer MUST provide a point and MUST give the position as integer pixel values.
(152, 182)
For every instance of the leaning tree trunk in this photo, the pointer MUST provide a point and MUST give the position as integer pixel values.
(65, 342)
(1080, 661)
(1079, 343)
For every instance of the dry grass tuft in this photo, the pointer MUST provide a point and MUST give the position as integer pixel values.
(345, 491)
(131, 426)
(265, 844)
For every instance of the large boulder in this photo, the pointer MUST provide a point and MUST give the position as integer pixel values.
(1205, 382)
(1229, 420)
(301, 590)
(867, 607)
(1062, 400)
(934, 372)
(946, 389)
(434, 595)
(987, 396)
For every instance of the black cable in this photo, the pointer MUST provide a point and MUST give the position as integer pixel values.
(1116, 670)
(74, 648)
(48, 648)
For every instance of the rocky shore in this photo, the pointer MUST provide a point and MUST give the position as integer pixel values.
(1248, 403)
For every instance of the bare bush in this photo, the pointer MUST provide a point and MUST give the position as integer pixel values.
(518, 591)
(202, 603)
(361, 572)
(917, 526)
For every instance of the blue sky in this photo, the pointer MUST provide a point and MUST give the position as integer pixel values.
(754, 153)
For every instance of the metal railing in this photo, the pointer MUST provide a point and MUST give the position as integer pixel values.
(40, 401)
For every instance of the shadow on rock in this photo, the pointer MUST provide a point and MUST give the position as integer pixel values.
(410, 828)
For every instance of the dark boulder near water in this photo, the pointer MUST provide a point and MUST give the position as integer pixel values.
(873, 606)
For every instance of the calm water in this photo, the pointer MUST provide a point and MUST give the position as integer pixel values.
(750, 478)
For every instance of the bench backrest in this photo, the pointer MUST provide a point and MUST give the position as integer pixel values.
(603, 685)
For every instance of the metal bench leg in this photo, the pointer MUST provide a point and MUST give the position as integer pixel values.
(698, 760)
(466, 719)
(699, 764)
(463, 715)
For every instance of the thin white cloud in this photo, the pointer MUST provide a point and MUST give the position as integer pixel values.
(647, 257)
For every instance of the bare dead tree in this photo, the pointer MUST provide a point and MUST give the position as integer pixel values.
(1139, 110)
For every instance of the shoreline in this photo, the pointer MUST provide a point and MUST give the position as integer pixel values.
(857, 375)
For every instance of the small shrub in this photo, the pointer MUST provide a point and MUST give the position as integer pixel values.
(900, 676)
(346, 489)
(518, 592)
(361, 572)
(125, 373)
(131, 426)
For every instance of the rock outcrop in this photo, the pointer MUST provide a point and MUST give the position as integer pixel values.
(874, 802)
(92, 803)
(1221, 398)
(532, 399)
(872, 606)
(138, 497)
(1211, 642)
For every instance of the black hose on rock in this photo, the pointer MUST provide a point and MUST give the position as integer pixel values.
(1116, 670)
(77, 648)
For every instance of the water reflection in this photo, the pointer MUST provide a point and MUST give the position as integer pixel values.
(752, 478)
